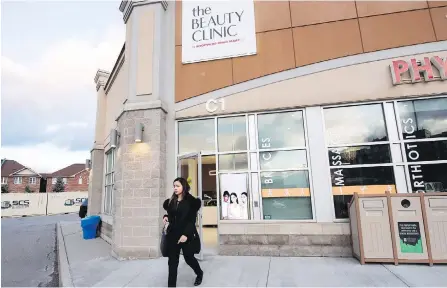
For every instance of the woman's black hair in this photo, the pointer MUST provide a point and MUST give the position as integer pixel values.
(244, 193)
(185, 185)
(226, 194)
(231, 201)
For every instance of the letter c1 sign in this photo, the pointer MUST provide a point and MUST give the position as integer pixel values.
(213, 105)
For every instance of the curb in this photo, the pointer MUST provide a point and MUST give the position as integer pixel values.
(65, 279)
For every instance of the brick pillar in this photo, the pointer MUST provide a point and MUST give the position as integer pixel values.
(95, 186)
(140, 184)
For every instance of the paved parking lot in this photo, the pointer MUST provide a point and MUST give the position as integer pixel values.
(29, 251)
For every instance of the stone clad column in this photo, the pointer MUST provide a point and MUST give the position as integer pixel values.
(95, 185)
(140, 183)
(96, 177)
(140, 168)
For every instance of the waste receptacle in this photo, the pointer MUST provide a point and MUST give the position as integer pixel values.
(370, 228)
(409, 228)
(436, 218)
(89, 226)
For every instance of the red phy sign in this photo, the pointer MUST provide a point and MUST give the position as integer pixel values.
(399, 67)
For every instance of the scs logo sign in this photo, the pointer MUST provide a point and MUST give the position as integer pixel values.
(75, 201)
(16, 204)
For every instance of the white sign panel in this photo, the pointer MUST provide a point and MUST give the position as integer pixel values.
(217, 29)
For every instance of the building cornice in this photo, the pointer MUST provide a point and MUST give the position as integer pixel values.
(116, 69)
(101, 78)
(127, 6)
(146, 105)
(96, 146)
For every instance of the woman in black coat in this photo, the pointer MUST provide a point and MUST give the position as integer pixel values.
(182, 234)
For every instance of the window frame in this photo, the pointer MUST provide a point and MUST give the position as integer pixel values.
(4, 180)
(108, 195)
(306, 148)
(252, 168)
(393, 130)
(32, 182)
(327, 146)
(403, 141)
(391, 123)
(80, 180)
(19, 178)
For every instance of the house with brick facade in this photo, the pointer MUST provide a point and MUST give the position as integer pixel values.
(75, 178)
(17, 177)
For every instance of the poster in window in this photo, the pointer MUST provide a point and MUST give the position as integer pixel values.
(410, 237)
(234, 197)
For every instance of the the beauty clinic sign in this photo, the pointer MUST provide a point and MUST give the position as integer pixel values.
(217, 29)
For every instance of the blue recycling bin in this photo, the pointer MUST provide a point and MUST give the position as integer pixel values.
(89, 226)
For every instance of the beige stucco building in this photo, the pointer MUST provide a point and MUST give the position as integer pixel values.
(334, 102)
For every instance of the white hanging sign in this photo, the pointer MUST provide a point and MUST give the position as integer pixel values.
(217, 29)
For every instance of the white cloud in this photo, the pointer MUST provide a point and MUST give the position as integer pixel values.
(52, 128)
(45, 157)
(77, 124)
(66, 65)
(57, 96)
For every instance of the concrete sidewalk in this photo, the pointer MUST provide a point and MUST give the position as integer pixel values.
(85, 263)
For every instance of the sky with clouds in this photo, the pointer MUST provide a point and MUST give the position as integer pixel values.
(50, 52)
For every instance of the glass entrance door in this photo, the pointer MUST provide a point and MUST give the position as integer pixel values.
(190, 167)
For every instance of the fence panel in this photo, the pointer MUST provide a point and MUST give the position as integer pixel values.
(65, 202)
(23, 204)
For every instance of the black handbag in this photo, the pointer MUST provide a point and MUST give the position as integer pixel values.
(164, 243)
(195, 244)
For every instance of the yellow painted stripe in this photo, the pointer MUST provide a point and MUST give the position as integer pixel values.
(291, 192)
(367, 189)
(336, 190)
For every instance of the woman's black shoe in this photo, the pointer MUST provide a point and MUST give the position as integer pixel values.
(199, 279)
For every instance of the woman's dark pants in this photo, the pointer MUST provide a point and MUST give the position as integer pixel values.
(174, 256)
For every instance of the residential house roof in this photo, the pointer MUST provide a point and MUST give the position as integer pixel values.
(68, 171)
(45, 175)
(10, 166)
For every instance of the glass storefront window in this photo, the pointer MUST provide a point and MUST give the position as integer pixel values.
(286, 195)
(196, 136)
(357, 155)
(209, 189)
(362, 156)
(232, 134)
(426, 151)
(355, 124)
(274, 160)
(109, 182)
(428, 177)
(233, 162)
(281, 130)
(364, 180)
(426, 118)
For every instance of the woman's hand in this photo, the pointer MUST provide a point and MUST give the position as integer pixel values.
(182, 239)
